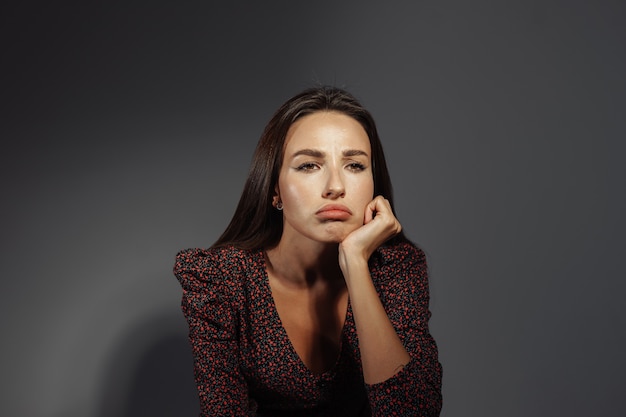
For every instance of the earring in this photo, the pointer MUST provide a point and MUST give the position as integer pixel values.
(279, 205)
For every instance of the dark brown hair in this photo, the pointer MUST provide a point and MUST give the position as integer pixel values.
(256, 224)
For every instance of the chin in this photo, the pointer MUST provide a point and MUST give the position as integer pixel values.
(337, 232)
(335, 239)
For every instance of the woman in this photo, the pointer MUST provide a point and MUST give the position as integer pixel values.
(312, 302)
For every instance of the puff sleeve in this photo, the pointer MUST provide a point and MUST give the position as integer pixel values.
(209, 304)
(401, 279)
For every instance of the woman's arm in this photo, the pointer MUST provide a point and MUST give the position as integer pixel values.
(382, 352)
(399, 357)
(209, 307)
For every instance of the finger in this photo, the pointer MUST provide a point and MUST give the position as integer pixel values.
(384, 212)
(370, 209)
(382, 205)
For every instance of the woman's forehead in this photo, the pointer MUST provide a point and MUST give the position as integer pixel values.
(326, 131)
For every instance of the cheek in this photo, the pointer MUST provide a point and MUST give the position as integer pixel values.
(362, 194)
(292, 192)
(365, 190)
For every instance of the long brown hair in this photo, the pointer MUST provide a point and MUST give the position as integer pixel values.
(256, 224)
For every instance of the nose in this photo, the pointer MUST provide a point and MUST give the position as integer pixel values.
(334, 186)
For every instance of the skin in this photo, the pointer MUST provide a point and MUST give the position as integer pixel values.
(332, 225)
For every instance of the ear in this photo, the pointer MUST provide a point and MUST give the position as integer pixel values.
(276, 196)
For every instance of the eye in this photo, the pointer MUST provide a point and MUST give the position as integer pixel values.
(307, 166)
(356, 167)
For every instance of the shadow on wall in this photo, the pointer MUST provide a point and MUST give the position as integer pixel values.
(150, 372)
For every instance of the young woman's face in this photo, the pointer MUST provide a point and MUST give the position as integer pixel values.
(325, 181)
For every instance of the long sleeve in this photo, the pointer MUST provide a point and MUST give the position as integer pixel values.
(210, 307)
(401, 279)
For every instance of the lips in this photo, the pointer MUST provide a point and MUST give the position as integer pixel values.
(334, 212)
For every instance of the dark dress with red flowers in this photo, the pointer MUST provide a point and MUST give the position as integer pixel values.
(245, 364)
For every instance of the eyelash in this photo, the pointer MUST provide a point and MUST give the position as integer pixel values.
(310, 166)
(356, 167)
(307, 166)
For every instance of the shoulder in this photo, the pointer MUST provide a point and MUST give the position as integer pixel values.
(399, 253)
(400, 274)
(199, 267)
(398, 264)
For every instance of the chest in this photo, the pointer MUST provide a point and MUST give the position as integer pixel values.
(294, 335)
(272, 350)
(313, 325)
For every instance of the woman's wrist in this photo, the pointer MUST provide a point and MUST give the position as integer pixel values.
(353, 266)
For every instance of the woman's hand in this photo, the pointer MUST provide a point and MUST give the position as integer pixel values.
(379, 224)
(382, 351)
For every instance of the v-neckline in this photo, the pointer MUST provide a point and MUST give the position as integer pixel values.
(292, 350)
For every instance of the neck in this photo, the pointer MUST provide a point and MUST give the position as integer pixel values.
(304, 263)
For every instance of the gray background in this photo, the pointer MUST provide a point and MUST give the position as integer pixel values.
(126, 135)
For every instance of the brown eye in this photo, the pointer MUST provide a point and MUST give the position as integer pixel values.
(308, 166)
(356, 167)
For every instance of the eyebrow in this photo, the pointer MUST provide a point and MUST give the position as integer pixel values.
(319, 154)
(354, 152)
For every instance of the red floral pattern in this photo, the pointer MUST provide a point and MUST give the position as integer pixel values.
(245, 364)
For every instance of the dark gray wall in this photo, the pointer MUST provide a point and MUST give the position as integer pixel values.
(126, 135)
